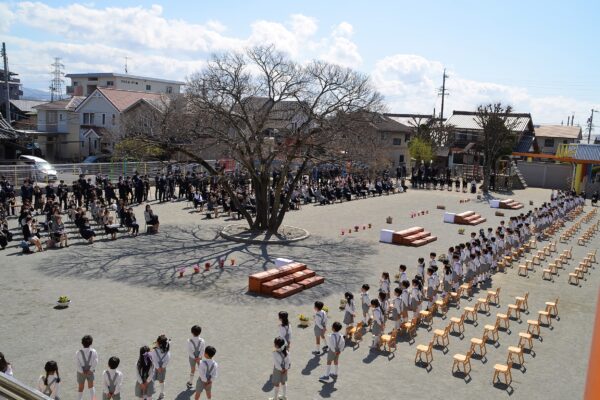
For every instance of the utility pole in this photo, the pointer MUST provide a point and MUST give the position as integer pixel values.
(6, 81)
(443, 92)
(590, 124)
(57, 80)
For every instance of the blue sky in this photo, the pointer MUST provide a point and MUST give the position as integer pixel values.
(541, 56)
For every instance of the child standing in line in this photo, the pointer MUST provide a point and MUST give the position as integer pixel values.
(284, 329)
(86, 361)
(208, 371)
(113, 379)
(403, 275)
(281, 365)
(349, 311)
(49, 384)
(336, 346)
(405, 296)
(385, 305)
(416, 296)
(160, 359)
(320, 326)
(196, 346)
(448, 279)
(365, 302)
(384, 283)
(144, 384)
(378, 323)
(430, 288)
(421, 266)
(432, 260)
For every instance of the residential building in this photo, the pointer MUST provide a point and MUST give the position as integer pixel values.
(468, 135)
(393, 137)
(549, 137)
(58, 129)
(85, 84)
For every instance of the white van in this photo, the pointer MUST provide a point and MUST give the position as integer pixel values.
(41, 170)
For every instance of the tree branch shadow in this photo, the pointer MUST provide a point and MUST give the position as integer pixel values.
(154, 261)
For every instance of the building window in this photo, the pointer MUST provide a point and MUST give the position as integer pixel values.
(93, 79)
(169, 89)
(407, 138)
(103, 119)
(401, 159)
(397, 142)
(382, 135)
(75, 83)
(148, 87)
(82, 144)
(548, 142)
(113, 119)
(565, 141)
(95, 144)
(88, 118)
(60, 117)
(110, 83)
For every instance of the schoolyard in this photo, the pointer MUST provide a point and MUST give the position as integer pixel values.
(127, 292)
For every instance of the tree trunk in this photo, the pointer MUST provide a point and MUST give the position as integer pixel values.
(261, 191)
(487, 169)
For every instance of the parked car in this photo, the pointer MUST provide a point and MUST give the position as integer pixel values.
(41, 170)
(102, 158)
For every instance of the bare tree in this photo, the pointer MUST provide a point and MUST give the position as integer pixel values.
(270, 113)
(498, 136)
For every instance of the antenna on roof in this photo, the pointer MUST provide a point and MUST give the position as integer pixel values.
(126, 58)
(573, 118)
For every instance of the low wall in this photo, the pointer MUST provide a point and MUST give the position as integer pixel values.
(546, 175)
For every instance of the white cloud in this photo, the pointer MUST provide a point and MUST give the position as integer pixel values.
(90, 37)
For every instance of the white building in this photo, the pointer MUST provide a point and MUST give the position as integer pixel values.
(85, 84)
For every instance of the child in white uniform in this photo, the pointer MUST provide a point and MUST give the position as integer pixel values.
(281, 365)
(144, 369)
(378, 323)
(284, 329)
(196, 347)
(320, 326)
(365, 302)
(86, 361)
(49, 384)
(208, 371)
(349, 311)
(113, 379)
(160, 359)
(336, 346)
(384, 283)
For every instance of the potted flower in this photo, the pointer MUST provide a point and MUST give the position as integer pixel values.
(461, 231)
(63, 302)
(370, 226)
(207, 266)
(388, 220)
(232, 263)
(303, 320)
(356, 228)
(181, 271)
(343, 303)
(196, 269)
(326, 309)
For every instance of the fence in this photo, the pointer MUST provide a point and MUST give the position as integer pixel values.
(547, 175)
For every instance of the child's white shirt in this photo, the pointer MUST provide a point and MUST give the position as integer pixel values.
(281, 362)
(158, 357)
(321, 319)
(336, 342)
(118, 380)
(79, 362)
(285, 332)
(150, 374)
(205, 365)
(193, 343)
(53, 386)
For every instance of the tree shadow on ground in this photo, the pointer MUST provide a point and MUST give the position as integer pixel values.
(154, 260)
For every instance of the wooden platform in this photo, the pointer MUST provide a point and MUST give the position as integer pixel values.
(284, 281)
(510, 204)
(469, 218)
(415, 236)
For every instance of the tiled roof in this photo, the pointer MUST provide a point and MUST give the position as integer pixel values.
(26, 105)
(66, 104)
(122, 99)
(558, 131)
(462, 120)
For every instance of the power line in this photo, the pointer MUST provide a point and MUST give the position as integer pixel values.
(57, 81)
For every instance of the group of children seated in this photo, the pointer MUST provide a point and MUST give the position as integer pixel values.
(150, 370)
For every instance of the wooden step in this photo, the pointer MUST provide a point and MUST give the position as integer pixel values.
(256, 280)
(409, 231)
(301, 275)
(287, 291)
(312, 281)
(422, 242)
(465, 214)
(417, 236)
(268, 287)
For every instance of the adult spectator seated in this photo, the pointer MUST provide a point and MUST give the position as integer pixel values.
(151, 219)
(86, 231)
(198, 200)
(131, 222)
(31, 235)
(58, 233)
